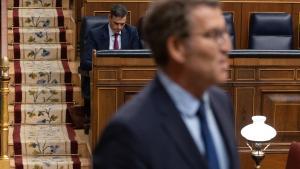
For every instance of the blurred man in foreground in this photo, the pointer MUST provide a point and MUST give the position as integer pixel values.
(180, 120)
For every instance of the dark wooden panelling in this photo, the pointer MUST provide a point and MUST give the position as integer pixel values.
(136, 9)
(273, 93)
(240, 8)
(244, 109)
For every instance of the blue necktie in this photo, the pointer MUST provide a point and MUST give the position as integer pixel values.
(210, 150)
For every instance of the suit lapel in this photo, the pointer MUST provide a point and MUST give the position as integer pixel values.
(175, 128)
(224, 129)
(124, 39)
(104, 37)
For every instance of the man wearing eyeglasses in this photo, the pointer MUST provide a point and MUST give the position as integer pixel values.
(181, 120)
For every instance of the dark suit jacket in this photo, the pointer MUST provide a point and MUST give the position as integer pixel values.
(149, 133)
(98, 38)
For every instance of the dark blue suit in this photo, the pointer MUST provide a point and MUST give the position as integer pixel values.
(98, 38)
(149, 133)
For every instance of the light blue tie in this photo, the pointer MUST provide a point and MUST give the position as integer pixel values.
(210, 149)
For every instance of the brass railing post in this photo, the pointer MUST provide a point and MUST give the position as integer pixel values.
(4, 116)
(4, 91)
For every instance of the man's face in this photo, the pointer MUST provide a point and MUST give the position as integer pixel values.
(207, 46)
(117, 23)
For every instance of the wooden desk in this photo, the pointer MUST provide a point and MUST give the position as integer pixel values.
(260, 83)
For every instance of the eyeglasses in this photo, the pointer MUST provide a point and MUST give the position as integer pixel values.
(218, 35)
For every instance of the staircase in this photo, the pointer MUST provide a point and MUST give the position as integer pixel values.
(44, 84)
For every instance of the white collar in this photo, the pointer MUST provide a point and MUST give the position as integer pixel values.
(111, 33)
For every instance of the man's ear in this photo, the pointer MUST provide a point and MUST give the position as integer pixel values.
(176, 49)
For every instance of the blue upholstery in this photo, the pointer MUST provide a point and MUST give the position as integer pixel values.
(87, 24)
(230, 26)
(271, 31)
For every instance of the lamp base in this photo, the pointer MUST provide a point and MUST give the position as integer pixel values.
(257, 158)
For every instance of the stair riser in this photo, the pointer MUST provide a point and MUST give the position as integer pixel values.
(59, 78)
(39, 114)
(42, 52)
(82, 150)
(44, 73)
(45, 3)
(39, 18)
(56, 162)
(82, 167)
(45, 139)
(33, 95)
(40, 36)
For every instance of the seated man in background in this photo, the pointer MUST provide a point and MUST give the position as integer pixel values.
(181, 120)
(115, 35)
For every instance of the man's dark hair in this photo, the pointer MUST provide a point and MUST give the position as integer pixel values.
(167, 18)
(118, 10)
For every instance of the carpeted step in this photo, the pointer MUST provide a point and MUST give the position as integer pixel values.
(40, 36)
(39, 113)
(50, 162)
(41, 52)
(44, 72)
(45, 140)
(45, 94)
(39, 17)
(38, 3)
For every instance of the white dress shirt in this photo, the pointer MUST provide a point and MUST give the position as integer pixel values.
(188, 106)
(112, 39)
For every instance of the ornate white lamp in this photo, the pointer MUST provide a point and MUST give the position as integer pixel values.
(258, 134)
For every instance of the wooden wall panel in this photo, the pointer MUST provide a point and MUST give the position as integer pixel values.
(107, 104)
(274, 93)
(281, 105)
(136, 9)
(244, 109)
(240, 8)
